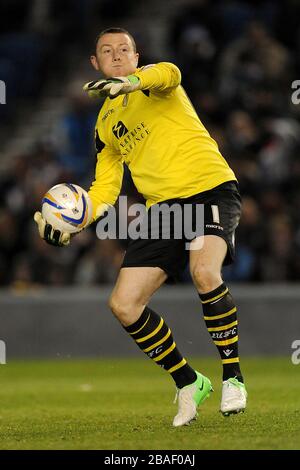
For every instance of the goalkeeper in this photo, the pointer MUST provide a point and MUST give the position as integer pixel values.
(148, 122)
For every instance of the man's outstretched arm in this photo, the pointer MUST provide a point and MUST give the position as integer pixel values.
(161, 77)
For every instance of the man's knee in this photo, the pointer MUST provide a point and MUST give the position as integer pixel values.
(127, 311)
(206, 278)
(118, 307)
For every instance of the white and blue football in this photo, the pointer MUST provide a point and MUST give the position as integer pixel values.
(67, 207)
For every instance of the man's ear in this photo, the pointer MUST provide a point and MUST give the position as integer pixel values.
(137, 55)
(94, 62)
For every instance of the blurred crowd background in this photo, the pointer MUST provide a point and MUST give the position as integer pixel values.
(238, 60)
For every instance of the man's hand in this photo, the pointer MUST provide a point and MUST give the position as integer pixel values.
(113, 86)
(49, 234)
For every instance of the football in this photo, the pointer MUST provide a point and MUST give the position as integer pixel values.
(67, 207)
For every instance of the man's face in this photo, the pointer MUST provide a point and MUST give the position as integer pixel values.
(115, 56)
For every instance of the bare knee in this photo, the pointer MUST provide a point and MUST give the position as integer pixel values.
(127, 311)
(206, 278)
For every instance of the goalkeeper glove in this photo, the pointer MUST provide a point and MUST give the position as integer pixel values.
(49, 234)
(113, 86)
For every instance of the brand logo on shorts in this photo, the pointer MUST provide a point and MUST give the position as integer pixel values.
(119, 130)
(214, 226)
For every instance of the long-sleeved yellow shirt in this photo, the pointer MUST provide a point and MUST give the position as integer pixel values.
(158, 134)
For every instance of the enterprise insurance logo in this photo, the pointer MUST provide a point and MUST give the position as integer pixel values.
(2, 92)
(130, 138)
(162, 222)
(2, 352)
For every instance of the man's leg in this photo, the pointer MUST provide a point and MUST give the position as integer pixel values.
(128, 302)
(219, 314)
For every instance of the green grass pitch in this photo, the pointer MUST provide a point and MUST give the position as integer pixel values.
(128, 404)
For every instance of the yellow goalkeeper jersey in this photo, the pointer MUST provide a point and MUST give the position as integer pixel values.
(158, 134)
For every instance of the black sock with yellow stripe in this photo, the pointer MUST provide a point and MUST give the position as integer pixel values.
(221, 321)
(154, 337)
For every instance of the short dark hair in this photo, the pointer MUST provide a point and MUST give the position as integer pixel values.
(116, 31)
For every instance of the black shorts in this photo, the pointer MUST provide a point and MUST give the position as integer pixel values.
(221, 209)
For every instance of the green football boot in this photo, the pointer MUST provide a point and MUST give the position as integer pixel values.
(190, 397)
